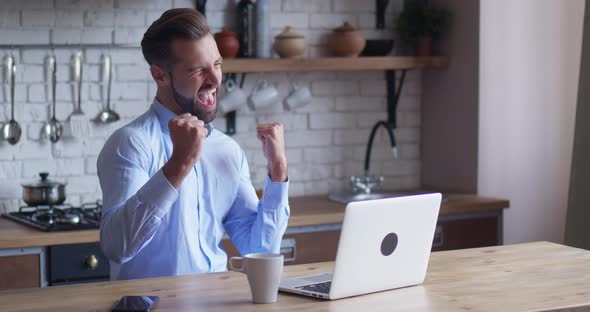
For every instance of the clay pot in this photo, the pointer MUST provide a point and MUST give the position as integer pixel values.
(346, 41)
(227, 43)
(424, 46)
(289, 44)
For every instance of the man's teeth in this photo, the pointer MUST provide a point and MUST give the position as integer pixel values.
(206, 96)
(209, 91)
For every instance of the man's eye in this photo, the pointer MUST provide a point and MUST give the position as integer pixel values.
(217, 64)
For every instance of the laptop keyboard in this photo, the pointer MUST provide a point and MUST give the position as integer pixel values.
(323, 288)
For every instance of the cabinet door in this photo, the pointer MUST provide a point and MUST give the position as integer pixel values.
(20, 271)
(314, 246)
(469, 232)
(77, 263)
(302, 247)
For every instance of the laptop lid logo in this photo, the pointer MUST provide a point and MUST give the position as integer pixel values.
(389, 244)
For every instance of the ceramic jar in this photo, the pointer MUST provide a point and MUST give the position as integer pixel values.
(227, 43)
(346, 41)
(289, 44)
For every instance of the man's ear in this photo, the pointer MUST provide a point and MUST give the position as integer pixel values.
(159, 74)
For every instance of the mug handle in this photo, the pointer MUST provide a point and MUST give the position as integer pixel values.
(261, 84)
(297, 85)
(230, 85)
(241, 269)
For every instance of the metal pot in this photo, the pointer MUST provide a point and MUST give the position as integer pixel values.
(44, 192)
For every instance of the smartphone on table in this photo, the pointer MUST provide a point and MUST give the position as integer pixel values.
(135, 304)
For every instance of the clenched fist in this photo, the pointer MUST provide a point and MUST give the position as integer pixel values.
(273, 146)
(187, 133)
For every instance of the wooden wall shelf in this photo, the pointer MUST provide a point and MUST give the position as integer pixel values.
(389, 64)
(331, 64)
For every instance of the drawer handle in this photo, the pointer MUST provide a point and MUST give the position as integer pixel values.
(91, 262)
(289, 250)
(439, 238)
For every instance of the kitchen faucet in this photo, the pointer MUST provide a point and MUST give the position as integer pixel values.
(367, 183)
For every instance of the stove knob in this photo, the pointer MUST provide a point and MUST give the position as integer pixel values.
(91, 262)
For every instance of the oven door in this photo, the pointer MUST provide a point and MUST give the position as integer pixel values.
(76, 263)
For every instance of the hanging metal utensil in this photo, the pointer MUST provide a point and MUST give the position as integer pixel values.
(11, 131)
(200, 6)
(381, 6)
(107, 115)
(78, 123)
(53, 128)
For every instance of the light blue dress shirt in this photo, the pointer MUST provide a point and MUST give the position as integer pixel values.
(150, 229)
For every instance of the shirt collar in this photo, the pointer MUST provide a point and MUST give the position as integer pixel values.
(164, 115)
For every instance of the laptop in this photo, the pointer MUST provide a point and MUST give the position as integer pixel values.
(384, 244)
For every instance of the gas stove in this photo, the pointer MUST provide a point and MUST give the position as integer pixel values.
(63, 217)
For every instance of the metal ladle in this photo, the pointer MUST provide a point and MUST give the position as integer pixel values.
(53, 128)
(107, 115)
(11, 131)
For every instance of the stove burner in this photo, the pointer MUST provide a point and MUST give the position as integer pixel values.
(52, 216)
(59, 217)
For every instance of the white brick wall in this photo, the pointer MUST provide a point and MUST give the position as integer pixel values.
(325, 140)
(69, 18)
(331, 120)
(296, 20)
(37, 18)
(308, 6)
(354, 6)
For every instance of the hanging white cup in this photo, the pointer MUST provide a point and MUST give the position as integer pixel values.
(300, 96)
(264, 94)
(234, 97)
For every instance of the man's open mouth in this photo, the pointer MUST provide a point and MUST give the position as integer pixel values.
(206, 96)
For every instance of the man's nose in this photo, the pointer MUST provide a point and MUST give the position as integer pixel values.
(214, 77)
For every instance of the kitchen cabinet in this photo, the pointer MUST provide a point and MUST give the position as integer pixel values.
(302, 248)
(19, 272)
(21, 268)
(468, 231)
(76, 263)
(455, 231)
(52, 265)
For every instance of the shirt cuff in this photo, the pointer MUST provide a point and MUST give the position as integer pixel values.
(276, 194)
(157, 192)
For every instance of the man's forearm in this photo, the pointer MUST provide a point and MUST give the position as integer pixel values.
(175, 171)
(277, 170)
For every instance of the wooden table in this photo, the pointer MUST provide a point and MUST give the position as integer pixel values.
(528, 277)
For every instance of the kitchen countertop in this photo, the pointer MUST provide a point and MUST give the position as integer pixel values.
(305, 211)
(538, 276)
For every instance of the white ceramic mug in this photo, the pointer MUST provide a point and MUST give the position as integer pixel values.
(300, 96)
(263, 94)
(233, 97)
(264, 272)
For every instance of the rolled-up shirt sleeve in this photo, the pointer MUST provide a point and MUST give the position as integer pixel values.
(258, 225)
(134, 203)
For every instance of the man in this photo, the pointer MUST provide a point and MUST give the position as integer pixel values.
(172, 184)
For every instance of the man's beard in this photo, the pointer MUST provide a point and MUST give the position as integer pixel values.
(188, 105)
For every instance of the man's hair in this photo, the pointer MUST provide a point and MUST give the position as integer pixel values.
(185, 24)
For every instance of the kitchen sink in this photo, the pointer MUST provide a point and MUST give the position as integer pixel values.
(346, 198)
